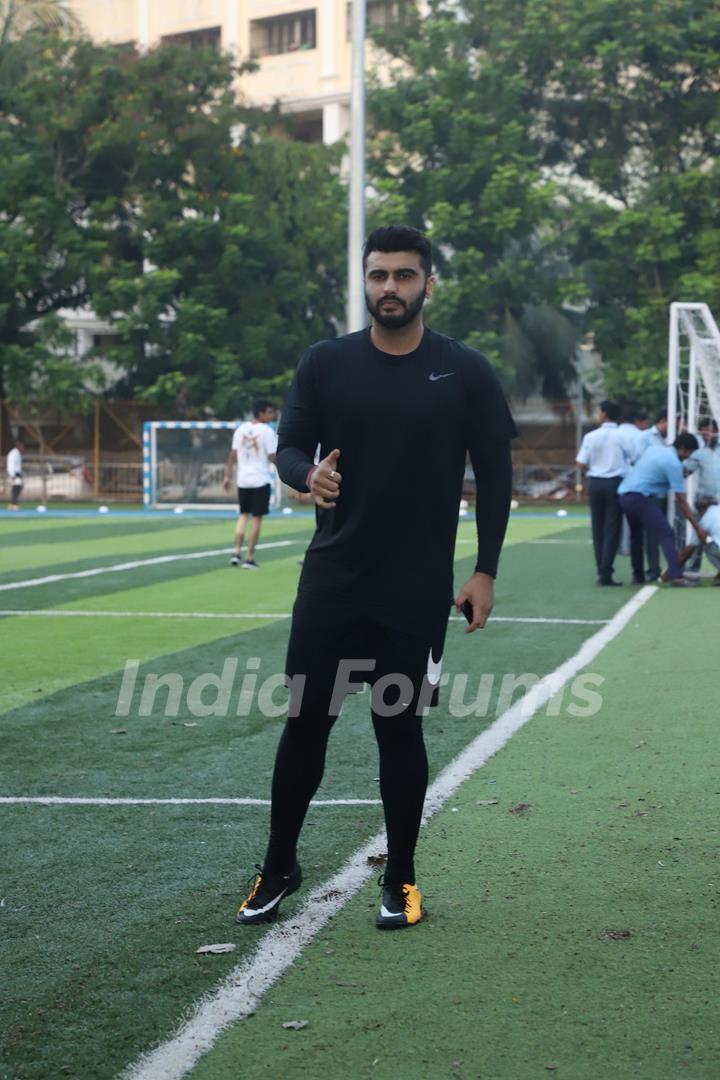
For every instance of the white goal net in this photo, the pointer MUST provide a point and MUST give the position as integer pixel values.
(184, 465)
(693, 373)
(694, 368)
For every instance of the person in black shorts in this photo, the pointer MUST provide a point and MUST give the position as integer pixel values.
(254, 501)
(394, 408)
(253, 454)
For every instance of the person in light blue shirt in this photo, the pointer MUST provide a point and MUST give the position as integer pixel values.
(706, 462)
(654, 436)
(604, 456)
(656, 473)
(631, 431)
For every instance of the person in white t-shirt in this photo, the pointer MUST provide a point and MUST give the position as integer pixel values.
(253, 452)
(14, 471)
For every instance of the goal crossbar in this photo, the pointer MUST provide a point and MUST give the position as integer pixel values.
(188, 474)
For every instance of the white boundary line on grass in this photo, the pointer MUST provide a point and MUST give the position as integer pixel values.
(238, 995)
(61, 800)
(50, 612)
(549, 540)
(52, 578)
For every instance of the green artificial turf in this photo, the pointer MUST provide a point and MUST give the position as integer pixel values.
(104, 906)
(577, 937)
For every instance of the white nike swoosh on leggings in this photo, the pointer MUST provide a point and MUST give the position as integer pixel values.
(389, 914)
(434, 670)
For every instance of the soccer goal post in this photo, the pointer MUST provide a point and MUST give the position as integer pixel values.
(184, 465)
(693, 374)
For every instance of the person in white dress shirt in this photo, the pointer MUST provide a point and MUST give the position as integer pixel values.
(605, 456)
(631, 429)
(14, 464)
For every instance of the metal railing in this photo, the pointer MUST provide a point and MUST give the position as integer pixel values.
(58, 478)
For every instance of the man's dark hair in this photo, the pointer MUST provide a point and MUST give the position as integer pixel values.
(686, 441)
(612, 410)
(261, 405)
(632, 413)
(661, 416)
(708, 421)
(400, 238)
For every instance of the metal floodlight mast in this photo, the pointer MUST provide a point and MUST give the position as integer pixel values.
(356, 224)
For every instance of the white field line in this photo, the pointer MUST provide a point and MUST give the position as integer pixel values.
(62, 612)
(60, 800)
(52, 612)
(238, 995)
(156, 561)
(558, 541)
(549, 540)
(523, 619)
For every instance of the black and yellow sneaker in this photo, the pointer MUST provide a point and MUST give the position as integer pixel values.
(268, 890)
(401, 906)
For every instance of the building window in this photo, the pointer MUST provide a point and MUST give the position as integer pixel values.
(283, 34)
(195, 39)
(305, 127)
(384, 14)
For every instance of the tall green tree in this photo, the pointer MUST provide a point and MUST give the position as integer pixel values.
(454, 152)
(625, 98)
(22, 23)
(564, 157)
(138, 186)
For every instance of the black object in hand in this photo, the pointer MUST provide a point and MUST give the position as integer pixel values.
(467, 610)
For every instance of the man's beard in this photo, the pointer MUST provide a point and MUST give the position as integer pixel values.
(397, 319)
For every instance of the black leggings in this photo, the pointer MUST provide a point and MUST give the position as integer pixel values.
(299, 769)
(315, 652)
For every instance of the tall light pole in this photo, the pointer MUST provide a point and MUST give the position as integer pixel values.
(356, 210)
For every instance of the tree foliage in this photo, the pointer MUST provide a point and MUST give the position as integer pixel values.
(564, 156)
(138, 186)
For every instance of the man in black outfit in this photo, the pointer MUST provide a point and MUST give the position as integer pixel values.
(394, 408)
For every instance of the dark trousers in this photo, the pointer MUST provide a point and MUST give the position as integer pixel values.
(15, 493)
(643, 513)
(606, 521)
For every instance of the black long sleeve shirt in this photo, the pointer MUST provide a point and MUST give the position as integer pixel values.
(403, 425)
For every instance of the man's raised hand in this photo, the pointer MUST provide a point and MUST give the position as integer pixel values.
(324, 481)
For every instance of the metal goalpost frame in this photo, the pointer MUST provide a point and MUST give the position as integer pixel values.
(150, 463)
(693, 373)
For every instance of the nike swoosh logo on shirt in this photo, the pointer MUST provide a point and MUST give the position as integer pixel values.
(446, 375)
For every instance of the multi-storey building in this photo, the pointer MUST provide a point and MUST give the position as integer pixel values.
(302, 47)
